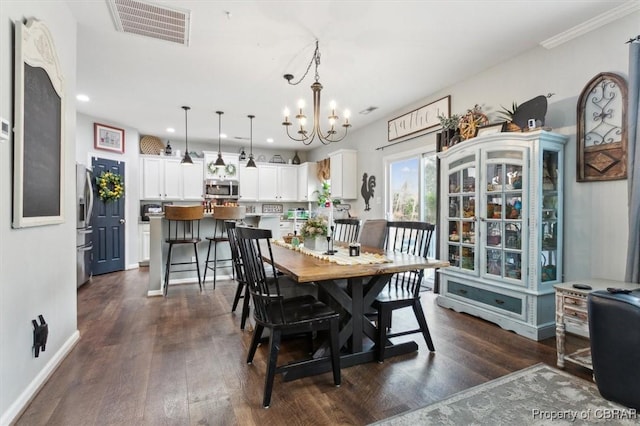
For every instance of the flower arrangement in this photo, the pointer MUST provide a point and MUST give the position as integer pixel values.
(449, 123)
(110, 186)
(315, 227)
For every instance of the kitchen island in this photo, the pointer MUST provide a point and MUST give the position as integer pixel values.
(158, 249)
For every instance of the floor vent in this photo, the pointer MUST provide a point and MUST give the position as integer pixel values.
(150, 20)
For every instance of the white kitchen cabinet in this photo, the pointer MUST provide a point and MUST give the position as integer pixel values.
(230, 169)
(144, 242)
(501, 228)
(344, 170)
(165, 178)
(308, 182)
(277, 182)
(173, 179)
(248, 185)
(193, 181)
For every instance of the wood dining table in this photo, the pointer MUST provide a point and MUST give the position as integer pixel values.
(352, 289)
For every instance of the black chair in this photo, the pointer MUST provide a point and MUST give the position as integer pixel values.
(614, 336)
(183, 223)
(346, 230)
(271, 311)
(404, 288)
(221, 214)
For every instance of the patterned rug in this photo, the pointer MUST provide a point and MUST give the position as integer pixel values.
(538, 395)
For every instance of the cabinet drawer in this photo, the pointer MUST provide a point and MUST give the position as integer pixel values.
(490, 298)
(572, 314)
(575, 301)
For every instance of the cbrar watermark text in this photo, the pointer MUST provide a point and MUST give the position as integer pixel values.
(589, 414)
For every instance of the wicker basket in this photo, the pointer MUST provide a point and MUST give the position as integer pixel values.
(151, 145)
(287, 238)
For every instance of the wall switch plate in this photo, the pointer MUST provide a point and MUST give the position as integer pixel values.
(4, 129)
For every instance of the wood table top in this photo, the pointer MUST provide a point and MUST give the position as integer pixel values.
(304, 268)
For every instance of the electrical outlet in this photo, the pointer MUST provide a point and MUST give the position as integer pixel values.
(193, 258)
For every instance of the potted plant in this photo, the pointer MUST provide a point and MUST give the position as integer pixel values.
(507, 114)
(450, 128)
(324, 195)
(314, 232)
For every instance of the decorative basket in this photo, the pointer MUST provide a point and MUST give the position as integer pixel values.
(151, 145)
(287, 238)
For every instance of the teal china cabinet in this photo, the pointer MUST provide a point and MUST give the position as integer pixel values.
(501, 229)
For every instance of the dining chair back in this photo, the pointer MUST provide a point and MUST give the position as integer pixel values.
(272, 311)
(346, 230)
(404, 288)
(242, 290)
(183, 228)
(373, 233)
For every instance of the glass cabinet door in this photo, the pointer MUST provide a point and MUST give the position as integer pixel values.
(503, 231)
(550, 217)
(462, 218)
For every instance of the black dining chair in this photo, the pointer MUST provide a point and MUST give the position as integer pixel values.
(282, 317)
(346, 230)
(403, 289)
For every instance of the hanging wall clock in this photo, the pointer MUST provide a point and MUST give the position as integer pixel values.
(602, 129)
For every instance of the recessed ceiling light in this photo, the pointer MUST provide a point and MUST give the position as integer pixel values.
(270, 140)
(171, 130)
(82, 98)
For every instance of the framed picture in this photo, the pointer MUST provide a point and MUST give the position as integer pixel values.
(491, 129)
(419, 119)
(108, 138)
(39, 131)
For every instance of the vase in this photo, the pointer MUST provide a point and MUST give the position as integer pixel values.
(318, 243)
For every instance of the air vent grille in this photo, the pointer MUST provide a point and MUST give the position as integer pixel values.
(151, 20)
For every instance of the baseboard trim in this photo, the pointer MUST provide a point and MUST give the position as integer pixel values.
(153, 293)
(20, 404)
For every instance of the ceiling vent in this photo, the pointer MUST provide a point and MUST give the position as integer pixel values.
(150, 20)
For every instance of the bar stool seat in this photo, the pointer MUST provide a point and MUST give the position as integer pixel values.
(220, 215)
(183, 224)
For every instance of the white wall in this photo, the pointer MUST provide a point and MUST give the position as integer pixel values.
(37, 265)
(596, 224)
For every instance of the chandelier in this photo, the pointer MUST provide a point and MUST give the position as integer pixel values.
(306, 135)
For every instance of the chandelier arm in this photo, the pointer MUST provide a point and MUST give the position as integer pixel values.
(303, 140)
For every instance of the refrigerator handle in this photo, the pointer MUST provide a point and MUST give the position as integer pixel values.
(90, 196)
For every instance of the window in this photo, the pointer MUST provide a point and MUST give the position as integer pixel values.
(412, 191)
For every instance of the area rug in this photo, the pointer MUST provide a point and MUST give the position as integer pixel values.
(538, 395)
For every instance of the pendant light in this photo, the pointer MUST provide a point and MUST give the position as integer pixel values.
(219, 162)
(186, 160)
(251, 163)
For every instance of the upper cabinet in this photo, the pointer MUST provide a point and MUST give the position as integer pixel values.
(164, 178)
(344, 170)
(228, 171)
(501, 228)
(277, 182)
(248, 184)
(308, 182)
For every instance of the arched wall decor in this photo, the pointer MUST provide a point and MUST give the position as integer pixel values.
(602, 129)
(39, 106)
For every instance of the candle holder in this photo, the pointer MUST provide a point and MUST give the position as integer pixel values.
(354, 249)
(330, 250)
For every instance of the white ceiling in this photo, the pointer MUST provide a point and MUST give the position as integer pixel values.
(386, 54)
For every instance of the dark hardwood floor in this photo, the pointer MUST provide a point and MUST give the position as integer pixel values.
(180, 360)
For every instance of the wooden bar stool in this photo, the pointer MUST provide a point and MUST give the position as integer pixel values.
(183, 228)
(220, 214)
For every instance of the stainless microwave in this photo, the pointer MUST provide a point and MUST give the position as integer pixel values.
(215, 188)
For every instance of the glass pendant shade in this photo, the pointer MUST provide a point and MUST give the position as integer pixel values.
(186, 160)
(219, 161)
(251, 163)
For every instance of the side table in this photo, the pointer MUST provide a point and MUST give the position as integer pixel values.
(572, 316)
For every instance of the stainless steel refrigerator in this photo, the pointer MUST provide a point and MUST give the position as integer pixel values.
(84, 209)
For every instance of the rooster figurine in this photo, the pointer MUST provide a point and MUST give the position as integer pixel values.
(367, 190)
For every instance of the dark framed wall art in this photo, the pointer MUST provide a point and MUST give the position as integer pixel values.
(39, 134)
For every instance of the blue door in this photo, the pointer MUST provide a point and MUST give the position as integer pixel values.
(108, 223)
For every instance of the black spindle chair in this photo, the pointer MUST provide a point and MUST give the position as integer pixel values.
(404, 288)
(346, 230)
(281, 317)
